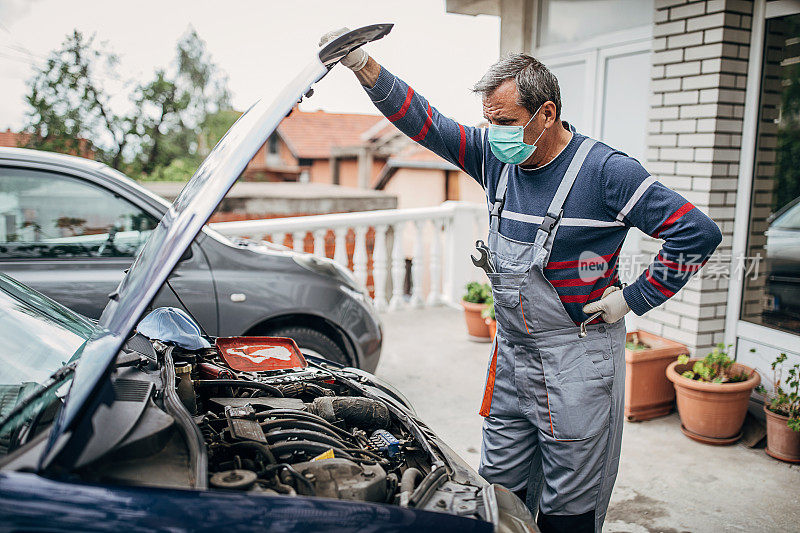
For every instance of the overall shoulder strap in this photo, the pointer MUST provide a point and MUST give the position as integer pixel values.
(555, 210)
(499, 199)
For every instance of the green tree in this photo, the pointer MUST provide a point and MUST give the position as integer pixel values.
(68, 102)
(171, 119)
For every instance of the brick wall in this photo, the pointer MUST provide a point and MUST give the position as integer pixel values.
(698, 77)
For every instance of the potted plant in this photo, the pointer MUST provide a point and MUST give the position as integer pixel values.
(782, 408)
(713, 394)
(488, 317)
(648, 392)
(474, 302)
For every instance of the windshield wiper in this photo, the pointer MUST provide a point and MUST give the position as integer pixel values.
(56, 379)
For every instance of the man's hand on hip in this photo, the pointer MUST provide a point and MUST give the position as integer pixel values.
(612, 304)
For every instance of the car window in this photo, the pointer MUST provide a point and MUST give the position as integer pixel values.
(52, 216)
(790, 219)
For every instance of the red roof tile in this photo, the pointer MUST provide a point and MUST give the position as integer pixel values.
(13, 139)
(312, 134)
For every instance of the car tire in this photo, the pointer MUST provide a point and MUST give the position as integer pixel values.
(311, 340)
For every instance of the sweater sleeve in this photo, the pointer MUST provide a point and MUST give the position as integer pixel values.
(413, 115)
(690, 237)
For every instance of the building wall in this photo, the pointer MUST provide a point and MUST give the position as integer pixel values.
(698, 78)
(262, 168)
(416, 187)
(348, 171)
(469, 190)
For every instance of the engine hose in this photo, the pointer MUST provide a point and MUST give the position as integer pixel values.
(297, 475)
(428, 482)
(239, 384)
(301, 423)
(303, 434)
(368, 453)
(283, 448)
(296, 389)
(260, 447)
(360, 412)
(291, 413)
(409, 479)
(269, 425)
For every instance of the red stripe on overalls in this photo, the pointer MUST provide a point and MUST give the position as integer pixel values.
(486, 406)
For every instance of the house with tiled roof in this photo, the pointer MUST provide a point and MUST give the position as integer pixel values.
(358, 150)
(317, 147)
(12, 139)
(417, 176)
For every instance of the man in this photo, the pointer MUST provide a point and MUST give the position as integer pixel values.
(559, 202)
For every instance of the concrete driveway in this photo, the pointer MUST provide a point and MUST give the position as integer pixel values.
(667, 483)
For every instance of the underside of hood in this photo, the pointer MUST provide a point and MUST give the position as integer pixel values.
(174, 234)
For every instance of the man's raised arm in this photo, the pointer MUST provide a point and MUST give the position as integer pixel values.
(413, 115)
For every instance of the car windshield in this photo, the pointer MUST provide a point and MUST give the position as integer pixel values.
(39, 337)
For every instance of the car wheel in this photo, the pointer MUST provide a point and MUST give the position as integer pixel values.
(312, 342)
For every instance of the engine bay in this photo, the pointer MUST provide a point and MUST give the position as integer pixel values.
(308, 429)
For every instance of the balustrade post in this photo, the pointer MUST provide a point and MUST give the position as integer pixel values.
(319, 242)
(379, 265)
(460, 243)
(298, 240)
(360, 255)
(398, 268)
(340, 252)
(435, 265)
(418, 265)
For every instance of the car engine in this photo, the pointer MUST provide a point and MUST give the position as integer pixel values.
(301, 429)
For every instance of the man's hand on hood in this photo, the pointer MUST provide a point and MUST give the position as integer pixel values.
(356, 59)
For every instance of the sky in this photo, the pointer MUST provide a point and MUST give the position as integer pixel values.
(260, 45)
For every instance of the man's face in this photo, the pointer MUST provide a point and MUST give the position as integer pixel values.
(501, 108)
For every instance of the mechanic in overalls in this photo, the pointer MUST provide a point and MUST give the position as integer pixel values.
(560, 206)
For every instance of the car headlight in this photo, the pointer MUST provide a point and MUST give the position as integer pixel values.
(326, 267)
(507, 512)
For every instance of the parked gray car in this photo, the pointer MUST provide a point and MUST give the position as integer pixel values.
(71, 227)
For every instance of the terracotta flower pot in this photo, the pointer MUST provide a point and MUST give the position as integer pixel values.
(782, 442)
(492, 323)
(712, 413)
(477, 330)
(648, 392)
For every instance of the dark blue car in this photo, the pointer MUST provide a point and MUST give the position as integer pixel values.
(105, 429)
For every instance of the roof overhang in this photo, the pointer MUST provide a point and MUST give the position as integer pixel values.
(473, 7)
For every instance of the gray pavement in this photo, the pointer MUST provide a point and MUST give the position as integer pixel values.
(667, 483)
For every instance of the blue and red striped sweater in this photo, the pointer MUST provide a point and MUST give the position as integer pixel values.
(612, 194)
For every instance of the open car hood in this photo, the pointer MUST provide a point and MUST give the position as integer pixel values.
(168, 242)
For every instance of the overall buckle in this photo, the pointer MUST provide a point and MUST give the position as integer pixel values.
(550, 221)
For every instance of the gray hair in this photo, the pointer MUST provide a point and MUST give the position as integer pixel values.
(535, 83)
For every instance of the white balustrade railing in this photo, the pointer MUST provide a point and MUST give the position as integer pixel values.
(436, 240)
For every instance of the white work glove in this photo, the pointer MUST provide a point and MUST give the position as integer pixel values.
(356, 59)
(612, 304)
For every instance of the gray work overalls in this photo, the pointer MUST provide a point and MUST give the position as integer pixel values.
(554, 401)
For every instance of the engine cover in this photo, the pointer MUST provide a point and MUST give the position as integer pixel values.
(345, 480)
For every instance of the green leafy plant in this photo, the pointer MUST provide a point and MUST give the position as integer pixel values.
(714, 367)
(478, 293)
(636, 344)
(489, 311)
(785, 402)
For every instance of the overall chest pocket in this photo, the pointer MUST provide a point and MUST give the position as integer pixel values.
(578, 378)
(505, 288)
